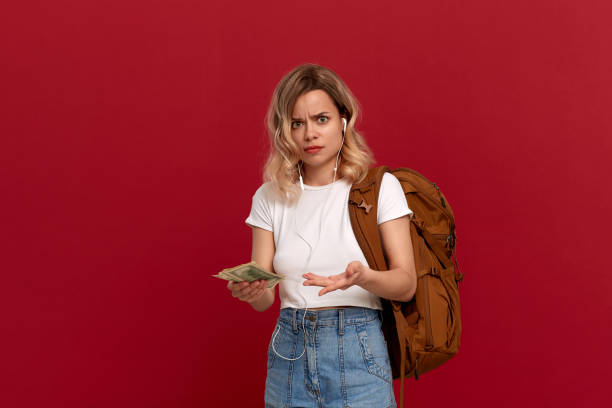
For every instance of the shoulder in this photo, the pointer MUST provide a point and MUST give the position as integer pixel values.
(390, 187)
(269, 195)
(262, 209)
(265, 191)
(390, 183)
(391, 199)
(389, 178)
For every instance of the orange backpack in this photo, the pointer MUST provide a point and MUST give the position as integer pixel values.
(423, 333)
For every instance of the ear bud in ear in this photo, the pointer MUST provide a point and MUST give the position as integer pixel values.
(344, 129)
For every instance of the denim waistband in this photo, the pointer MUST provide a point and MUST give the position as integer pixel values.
(329, 317)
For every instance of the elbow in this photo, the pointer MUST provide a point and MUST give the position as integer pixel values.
(412, 290)
(406, 297)
(260, 309)
(408, 294)
(411, 294)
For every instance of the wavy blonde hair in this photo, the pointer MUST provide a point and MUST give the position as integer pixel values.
(281, 166)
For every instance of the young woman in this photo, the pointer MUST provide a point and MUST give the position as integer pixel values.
(327, 349)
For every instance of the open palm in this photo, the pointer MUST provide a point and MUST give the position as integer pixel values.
(353, 275)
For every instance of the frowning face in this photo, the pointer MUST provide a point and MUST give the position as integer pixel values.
(316, 127)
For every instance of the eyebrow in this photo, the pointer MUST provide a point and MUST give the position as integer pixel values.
(313, 116)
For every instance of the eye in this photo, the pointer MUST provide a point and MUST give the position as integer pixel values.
(323, 119)
(295, 124)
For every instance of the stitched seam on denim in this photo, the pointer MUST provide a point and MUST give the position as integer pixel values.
(290, 376)
(295, 329)
(380, 371)
(384, 373)
(316, 347)
(347, 322)
(312, 389)
(343, 390)
(368, 357)
(359, 313)
(271, 349)
(305, 377)
(316, 361)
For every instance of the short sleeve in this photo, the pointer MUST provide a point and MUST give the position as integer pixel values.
(261, 210)
(391, 200)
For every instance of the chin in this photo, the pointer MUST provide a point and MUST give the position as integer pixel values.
(313, 162)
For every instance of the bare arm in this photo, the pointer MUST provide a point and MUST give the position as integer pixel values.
(263, 253)
(255, 293)
(399, 282)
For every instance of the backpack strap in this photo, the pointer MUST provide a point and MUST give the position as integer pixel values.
(363, 207)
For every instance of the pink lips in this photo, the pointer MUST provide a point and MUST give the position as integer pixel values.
(313, 149)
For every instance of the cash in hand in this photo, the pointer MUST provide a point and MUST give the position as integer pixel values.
(249, 272)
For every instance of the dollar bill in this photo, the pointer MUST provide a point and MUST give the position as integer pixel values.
(228, 276)
(249, 272)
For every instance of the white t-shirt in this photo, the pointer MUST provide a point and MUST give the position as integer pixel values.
(315, 235)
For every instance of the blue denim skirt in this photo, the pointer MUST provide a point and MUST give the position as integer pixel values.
(335, 358)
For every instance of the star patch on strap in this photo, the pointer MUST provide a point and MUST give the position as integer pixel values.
(365, 206)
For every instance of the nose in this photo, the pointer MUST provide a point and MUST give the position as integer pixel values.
(310, 131)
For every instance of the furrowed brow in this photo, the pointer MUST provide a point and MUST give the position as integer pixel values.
(316, 115)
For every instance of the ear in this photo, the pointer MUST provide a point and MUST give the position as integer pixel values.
(344, 113)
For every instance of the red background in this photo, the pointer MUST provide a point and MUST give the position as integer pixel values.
(132, 140)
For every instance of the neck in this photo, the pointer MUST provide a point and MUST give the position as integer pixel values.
(319, 176)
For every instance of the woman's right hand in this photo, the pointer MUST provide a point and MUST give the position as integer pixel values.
(248, 291)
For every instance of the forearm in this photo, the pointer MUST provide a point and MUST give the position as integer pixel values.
(394, 284)
(265, 301)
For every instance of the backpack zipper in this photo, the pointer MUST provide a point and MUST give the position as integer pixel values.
(440, 195)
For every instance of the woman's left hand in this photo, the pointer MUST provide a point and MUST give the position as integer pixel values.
(355, 274)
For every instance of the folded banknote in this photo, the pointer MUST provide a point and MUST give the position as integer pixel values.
(249, 272)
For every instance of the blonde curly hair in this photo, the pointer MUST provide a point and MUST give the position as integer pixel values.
(281, 166)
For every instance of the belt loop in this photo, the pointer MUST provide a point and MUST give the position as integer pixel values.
(295, 327)
(341, 322)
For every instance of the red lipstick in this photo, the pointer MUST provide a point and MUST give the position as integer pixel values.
(313, 149)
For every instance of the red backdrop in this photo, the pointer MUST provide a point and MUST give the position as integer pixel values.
(132, 140)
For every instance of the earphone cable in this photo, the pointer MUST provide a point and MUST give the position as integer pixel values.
(311, 251)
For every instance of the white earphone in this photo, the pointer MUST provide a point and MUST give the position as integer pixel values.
(310, 254)
(342, 145)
